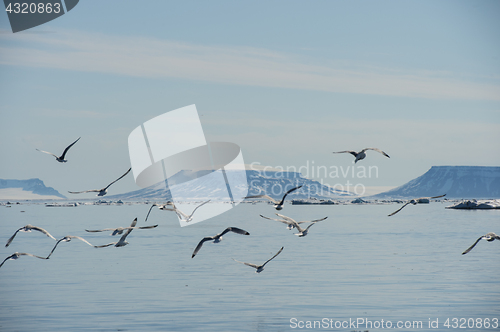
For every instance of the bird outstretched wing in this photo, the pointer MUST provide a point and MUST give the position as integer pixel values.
(264, 196)
(401, 208)
(67, 148)
(117, 179)
(354, 153)
(378, 150)
(472, 246)
(289, 191)
(270, 259)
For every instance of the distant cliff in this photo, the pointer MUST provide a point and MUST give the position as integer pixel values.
(34, 186)
(454, 181)
(271, 183)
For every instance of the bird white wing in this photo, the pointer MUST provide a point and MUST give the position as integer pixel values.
(30, 227)
(21, 254)
(264, 196)
(180, 214)
(286, 218)
(81, 239)
(281, 220)
(100, 230)
(106, 245)
(300, 229)
(249, 264)
(43, 231)
(196, 208)
(28, 254)
(437, 196)
(85, 191)
(49, 153)
(378, 150)
(316, 220)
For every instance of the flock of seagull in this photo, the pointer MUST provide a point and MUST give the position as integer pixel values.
(116, 231)
(169, 206)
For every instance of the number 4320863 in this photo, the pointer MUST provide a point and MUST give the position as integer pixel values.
(463, 323)
(26, 8)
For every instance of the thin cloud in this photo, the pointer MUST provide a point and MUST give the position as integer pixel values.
(155, 58)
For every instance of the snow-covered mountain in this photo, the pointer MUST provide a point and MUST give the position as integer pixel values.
(27, 189)
(454, 181)
(199, 187)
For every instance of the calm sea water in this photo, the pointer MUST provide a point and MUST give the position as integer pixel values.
(357, 265)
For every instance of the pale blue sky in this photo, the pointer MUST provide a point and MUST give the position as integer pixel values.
(289, 81)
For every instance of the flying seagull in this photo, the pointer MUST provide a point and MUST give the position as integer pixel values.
(217, 238)
(302, 232)
(161, 207)
(289, 221)
(416, 201)
(61, 158)
(260, 268)
(16, 255)
(121, 242)
(278, 205)
(100, 192)
(28, 228)
(361, 154)
(119, 230)
(68, 238)
(182, 216)
(488, 237)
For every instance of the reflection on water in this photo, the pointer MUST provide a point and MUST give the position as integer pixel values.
(356, 264)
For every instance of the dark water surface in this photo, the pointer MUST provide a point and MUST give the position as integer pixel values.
(357, 265)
